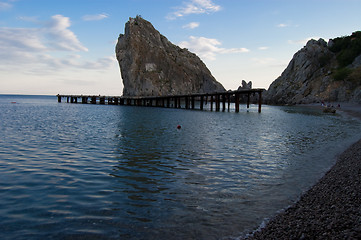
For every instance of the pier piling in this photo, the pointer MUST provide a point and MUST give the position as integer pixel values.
(216, 100)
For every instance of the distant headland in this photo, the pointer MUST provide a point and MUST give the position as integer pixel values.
(320, 71)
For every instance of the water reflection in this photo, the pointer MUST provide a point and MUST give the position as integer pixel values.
(217, 170)
(92, 171)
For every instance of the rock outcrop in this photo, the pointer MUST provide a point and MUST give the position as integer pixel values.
(243, 98)
(245, 85)
(317, 73)
(151, 65)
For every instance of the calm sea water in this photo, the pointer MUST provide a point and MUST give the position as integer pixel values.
(119, 172)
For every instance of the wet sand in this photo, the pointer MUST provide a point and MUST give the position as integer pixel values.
(331, 209)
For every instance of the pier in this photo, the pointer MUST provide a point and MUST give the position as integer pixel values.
(218, 101)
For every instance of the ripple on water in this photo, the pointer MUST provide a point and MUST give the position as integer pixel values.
(71, 170)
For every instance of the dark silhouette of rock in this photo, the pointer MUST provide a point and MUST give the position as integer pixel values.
(245, 85)
(243, 98)
(151, 65)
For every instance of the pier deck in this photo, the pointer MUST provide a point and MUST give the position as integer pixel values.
(217, 100)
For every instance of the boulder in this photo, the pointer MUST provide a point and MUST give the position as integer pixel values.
(329, 110)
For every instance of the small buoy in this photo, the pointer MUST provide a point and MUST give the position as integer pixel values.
(179, 127)
(13, 102)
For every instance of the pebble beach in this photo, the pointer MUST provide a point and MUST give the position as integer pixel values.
(331, 209)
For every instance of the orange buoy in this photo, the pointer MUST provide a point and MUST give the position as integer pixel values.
(179, 127)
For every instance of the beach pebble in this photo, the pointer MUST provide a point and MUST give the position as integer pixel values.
(329, 210)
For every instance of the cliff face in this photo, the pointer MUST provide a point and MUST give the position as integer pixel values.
(151, 65)
(316, 74)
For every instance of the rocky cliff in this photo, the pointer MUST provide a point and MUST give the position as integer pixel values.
(151, 65)
(321, 71)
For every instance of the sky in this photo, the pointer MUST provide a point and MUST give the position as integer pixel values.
(53, 47)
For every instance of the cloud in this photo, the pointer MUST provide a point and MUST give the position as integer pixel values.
(263, 48)
(191, 25)
(5, 6)
(61, 38)
(301, 41)
(101, 63)
(208, 48)
(286, 25)
(282, 25)
(264, 61)
(76, 61)
(47, 64)
(20, 40)
(28, 19)
(95, 17)
(194, 7)
(270, 62)
(46, 49)
(54, 36)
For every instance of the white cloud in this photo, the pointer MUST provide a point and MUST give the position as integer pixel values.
(286, 25)
(301, 41)
(264, 61)
(46, 64)
(28, 19)
(101, 63)
(263, 48)
(269, 62)
(20, 40)
(194, 7)
(208, 48)
(45, 49)
(95, 17)
(5, 6)
(61, 38)
(53, 36)
(191, 25)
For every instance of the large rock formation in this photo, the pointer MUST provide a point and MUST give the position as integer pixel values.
(320, 72)
(152, 66)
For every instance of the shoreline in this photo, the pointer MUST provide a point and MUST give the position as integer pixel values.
(331, 208)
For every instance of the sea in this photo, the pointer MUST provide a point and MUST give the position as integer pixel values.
(84, 171)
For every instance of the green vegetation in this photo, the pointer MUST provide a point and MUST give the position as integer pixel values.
(355, 76)
(347, 48)
(324, 59)
(352, 76)
(342, 74)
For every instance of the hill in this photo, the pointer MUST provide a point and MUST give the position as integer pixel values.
(320, 71)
